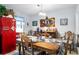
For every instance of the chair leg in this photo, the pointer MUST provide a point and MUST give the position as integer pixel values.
(32, 51)
(23, 48)
(70, 49)
(65, 52)
(19, 48)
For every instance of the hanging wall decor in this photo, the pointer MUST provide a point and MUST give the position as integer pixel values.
(42, 23)
(51, 22)
(34, 23)
(64, 21)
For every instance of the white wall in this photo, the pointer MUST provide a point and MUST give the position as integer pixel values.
(77, 20)
(63, 13)
(29, 27)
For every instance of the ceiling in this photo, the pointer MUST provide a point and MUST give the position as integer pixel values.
(31, 9)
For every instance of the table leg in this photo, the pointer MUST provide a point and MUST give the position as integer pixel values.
(70, 49)
(32, 51)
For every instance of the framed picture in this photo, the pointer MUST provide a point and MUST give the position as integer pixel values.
(51, 22)
(34, 23)
(42, 23)
(64, 21)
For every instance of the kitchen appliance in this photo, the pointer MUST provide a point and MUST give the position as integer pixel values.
(7, 35)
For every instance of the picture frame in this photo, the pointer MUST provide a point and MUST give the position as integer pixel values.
(64, 21)
(34, 23)
(51, 22)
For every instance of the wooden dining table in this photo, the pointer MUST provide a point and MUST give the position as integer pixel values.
(51, 48)
(47, 47)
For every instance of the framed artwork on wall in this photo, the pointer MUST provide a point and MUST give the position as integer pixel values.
(64, 21)
(34, 23)
(51, 22)
(42, 23)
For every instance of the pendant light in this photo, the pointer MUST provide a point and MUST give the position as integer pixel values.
(41, 12)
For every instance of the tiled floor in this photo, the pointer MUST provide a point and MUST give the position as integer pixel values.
(17, 53)
(72, 53)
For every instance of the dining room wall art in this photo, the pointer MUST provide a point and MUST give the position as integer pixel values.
(34, 23)
(51, 22)
(64, 21)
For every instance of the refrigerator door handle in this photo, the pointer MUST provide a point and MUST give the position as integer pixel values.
(12, 28)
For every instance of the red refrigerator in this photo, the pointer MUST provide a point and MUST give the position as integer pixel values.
(7, 35)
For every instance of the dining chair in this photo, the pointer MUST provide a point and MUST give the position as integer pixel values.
(66, 46)
(67, 43)
(27, 46)
(26, 43)
(69, 36)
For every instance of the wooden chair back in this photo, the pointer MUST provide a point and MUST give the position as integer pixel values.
(69, 36)
(25, 40)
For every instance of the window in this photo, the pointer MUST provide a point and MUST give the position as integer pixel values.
(19, 23)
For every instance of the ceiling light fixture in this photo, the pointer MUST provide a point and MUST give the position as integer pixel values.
(38, 5)
(41, 12)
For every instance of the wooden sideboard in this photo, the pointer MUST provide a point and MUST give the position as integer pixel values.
(52, 34)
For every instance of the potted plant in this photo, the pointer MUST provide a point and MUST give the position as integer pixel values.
(2, 10)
